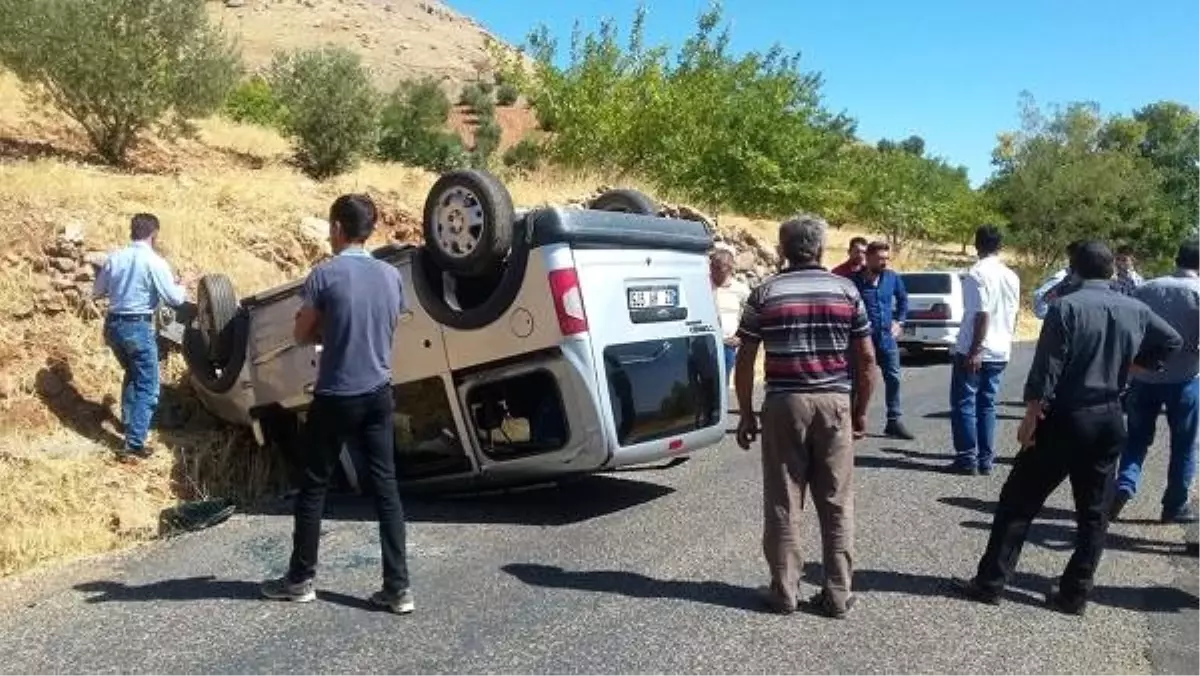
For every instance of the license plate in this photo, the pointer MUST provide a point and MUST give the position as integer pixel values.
(649, 298)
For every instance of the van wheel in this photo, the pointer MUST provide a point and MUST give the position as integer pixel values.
(216, 306)
(627, 201)
(217, 376)
(468, 222)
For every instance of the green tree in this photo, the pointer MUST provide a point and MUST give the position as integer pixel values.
(119, 67)
(331, 106)
(411, 128)
(253, 102)
(524, 156)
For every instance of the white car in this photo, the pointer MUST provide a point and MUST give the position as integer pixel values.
(935, 309)
(555, 342)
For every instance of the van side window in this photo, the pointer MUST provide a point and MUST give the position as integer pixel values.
(519, 415)
(427, 441)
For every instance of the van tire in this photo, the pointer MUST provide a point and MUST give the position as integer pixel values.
(627, 201)
(216, 306)
(486, 201)
(203, 369)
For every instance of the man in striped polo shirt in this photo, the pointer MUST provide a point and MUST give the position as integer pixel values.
(808, 319)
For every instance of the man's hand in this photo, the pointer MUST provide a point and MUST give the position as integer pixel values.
(859, 426)
(975, 361)
(747, 429)
(1027, 432)
(733, 341)
(896, 329)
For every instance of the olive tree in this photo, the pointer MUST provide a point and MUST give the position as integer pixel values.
(118, 67)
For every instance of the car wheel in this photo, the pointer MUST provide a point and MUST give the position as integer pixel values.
(468, 222)
(217, 376)
(216, 307)
(627, 201)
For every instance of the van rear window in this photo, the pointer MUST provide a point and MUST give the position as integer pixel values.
(926, 283)
(663, 387)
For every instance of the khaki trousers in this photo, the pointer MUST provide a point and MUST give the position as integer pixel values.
(807, 444)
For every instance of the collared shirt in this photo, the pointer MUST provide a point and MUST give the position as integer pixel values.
(1175, 298)
(135, 279)
(731, 296)
(990, 286)
(360, 299)
(886, 301)
(1127, 283)
(805, 318)
(1040, 303)
(846, 268)
(1088, 341)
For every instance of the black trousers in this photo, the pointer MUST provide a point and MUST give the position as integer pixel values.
(1082, 445)
(365, 420)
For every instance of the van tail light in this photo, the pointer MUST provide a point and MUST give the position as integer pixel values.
(936, 311)
(568, 302)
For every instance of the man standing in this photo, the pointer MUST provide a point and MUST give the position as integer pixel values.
(1073, 425)
(1177, 300)
(991, 293)
(1127, 279)
(886, 301)
(350, 304)
(1056, 286)
(807, 318)
(856, 258)
(730, 294)
(135, 279)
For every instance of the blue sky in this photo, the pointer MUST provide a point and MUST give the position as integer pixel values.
(950, 71)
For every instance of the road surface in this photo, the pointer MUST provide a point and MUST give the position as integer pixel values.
(634, 572)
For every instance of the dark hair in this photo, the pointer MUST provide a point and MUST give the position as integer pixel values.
(724, 257)
(988, 239)
(802, 239)
(877, 246)
(143, 226)
(1074, 246)
(1092, 260)
(356, 215)
(1125, 250)
(1188, 257)
(857, 241)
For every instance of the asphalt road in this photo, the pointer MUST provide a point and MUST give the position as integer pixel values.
(645, 572)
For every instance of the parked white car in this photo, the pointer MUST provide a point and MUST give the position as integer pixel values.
(935, 309)
(555, 342)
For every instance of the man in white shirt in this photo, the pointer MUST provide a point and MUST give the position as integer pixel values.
(991, 292)
(731, 296)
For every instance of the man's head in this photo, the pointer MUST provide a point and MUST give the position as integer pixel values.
(1092, 260)
(351, 221)
(802, 240)
(1188, 257)
(1124, 258)
(720, 266)
(143, 228)
(1072, 248)
(857, 254)
(879, 254)
(987, 240)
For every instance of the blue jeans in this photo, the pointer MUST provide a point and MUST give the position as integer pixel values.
(973, 412)
(888, 356)
(1142, 406)
(730, 354)
(133, 342)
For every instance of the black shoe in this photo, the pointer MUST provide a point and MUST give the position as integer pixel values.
(1186, 514)
(985, 471)
(970, 589)
(1063, 604)
(822, 604)
(896, 430)
(965, 470)
(1118, 504)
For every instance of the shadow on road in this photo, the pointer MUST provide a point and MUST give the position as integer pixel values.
(545, 505)
(989, 507)
(925, 358)
(945, 415)
(1061, 538)
(636, 585)
(197, 588)
(938, 463)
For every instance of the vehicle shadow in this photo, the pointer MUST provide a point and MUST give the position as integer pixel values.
(563, 504)
(925, 358)
(636, 585)
(197, 588)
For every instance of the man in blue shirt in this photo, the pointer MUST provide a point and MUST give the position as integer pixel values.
(350, 304)
(886, 300)
(134, 280)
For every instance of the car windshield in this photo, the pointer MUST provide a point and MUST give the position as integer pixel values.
(922, 283)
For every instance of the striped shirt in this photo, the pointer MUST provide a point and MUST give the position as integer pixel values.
(805, 318)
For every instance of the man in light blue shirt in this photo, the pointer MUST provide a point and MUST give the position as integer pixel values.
(1176, 299)
(135, 280)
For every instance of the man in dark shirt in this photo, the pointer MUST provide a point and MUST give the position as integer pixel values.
(350, 304)
(807, 319)
(856, 258)
(886, 301)
(1073, 425)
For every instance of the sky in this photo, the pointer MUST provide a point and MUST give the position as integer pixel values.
(948, 71)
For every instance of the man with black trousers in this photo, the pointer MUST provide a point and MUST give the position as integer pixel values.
(1074, 426)
(350, 304)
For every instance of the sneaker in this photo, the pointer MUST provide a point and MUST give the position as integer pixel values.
(1185, 514)
(896, 430)
(400, 602)
(283, 589)
(1118, 504)
(970, 589)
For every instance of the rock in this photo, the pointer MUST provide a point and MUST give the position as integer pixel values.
(84, 289)
(11, 260)
(235, 3)
(96, 259)
(85, 275)
(74, 233)
(23, 313)
(62, 283)
(313, 234)
(745, 260)
(7, 388)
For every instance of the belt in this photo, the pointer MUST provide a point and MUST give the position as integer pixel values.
(129, 317)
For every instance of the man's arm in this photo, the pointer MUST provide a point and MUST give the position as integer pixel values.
(172, 294)
(901, 300)
(1049, 359)
(100, 286)
(749, 336)
(864, 360)
(1159, 342)
(307, 329)
(976, 297)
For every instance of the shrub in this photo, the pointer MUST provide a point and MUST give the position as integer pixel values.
(477, 100)
(253, 102)
(411, 128)
(487, 139)
(507, 94)
(120, 66)
(524, 157)
(331, 106)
